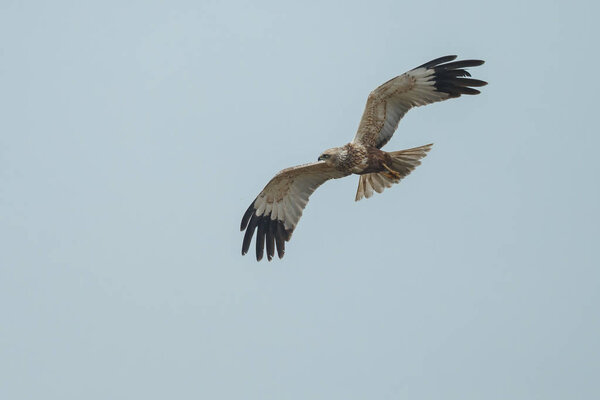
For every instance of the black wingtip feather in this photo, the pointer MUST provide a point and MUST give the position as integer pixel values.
(260, 239)
(249, 233)
(246, 217)
(450, 78)
(271, 239)
(472, 82)
(437, 61)
(271, 234)
(459, 64)
(280, 239)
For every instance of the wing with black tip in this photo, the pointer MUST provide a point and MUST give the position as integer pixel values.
(276, 211)
(437, 80)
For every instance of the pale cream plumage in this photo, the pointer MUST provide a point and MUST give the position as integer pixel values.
(277, 209)
(286, 195)
(387, 104)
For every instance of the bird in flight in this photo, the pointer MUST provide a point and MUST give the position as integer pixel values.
(276, 211)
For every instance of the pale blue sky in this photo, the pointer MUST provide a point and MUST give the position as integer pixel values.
(134, 135)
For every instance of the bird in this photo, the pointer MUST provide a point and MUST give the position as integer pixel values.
(275, 212)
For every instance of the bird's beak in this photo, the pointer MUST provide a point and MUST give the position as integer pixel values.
(320, 158)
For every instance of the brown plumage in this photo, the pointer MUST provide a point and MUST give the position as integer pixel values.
(276, 211)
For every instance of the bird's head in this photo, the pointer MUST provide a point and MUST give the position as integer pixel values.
(331, 156)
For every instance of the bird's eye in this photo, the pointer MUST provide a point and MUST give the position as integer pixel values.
(325, 155)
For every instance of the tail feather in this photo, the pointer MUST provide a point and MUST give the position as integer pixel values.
(403, 163)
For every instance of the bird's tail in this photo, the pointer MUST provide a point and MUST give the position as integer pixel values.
(403, 163)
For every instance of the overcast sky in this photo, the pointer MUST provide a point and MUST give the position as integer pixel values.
(133, 136)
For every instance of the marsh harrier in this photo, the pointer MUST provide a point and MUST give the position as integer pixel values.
(276, 211)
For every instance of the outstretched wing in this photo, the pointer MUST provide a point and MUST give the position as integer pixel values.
(434, 81)
(278, 208)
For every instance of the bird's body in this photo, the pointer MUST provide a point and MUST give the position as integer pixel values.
(356, 158)
(275, 212)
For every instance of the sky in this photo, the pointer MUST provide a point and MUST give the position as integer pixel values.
(135, 134)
